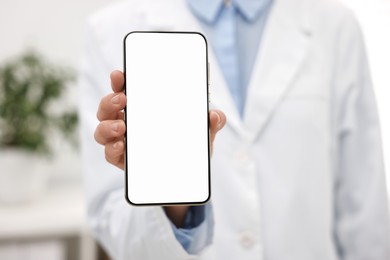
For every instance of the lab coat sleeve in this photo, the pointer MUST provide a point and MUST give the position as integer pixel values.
(126, 232)
(192, 235)
(361, 206)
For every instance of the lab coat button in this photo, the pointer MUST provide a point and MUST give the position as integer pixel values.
(247, 240)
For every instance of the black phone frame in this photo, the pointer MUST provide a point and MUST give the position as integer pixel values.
(208, 123)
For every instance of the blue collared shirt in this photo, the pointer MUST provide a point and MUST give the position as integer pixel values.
(233, 29)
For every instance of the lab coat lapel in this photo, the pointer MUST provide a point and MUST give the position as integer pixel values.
(283, 49)
(172, 15)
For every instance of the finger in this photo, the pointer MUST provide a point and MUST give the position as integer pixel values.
(110, 105)
(217, 122)
(120, 115)
(109, 130)
(114, 152)
(117, 81)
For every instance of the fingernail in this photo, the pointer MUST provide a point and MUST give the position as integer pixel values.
(115, 99)
(114, 127)
(219, 118)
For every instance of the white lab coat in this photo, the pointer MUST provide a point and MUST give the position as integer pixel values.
(299, 178)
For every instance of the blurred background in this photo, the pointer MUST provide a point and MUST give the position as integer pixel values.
(42, 210)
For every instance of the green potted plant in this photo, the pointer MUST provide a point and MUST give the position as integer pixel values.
(29, 86)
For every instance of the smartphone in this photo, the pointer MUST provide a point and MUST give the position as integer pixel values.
(167, 139)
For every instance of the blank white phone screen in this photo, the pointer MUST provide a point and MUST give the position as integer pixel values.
(167, 138)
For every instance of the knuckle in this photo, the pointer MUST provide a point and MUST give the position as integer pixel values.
(100, 134)
(96, 135)
(110, 154)
(107, 154)
(104, 108)
(103, 99)
(122, 127)
(108, 159)
(100, 110)
(98, 116)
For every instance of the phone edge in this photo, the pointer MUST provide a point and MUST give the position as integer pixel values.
(208, 125)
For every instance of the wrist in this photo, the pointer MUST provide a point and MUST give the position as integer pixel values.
(176, 214)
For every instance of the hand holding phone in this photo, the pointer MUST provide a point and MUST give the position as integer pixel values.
(111, 117)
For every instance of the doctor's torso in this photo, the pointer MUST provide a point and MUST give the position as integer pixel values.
(273, 176)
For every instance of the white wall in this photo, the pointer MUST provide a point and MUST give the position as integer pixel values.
(55, 28)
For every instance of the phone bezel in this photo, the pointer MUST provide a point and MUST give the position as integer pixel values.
(208, 123)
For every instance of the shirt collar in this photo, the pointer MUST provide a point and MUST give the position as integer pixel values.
(208, 10)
